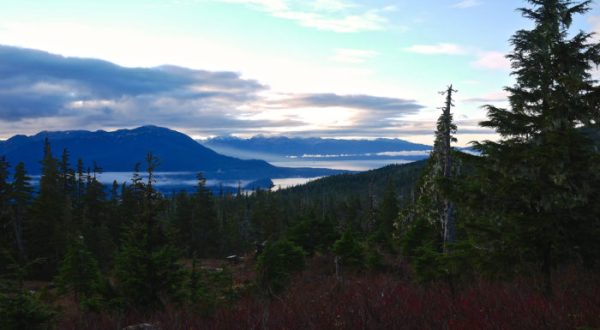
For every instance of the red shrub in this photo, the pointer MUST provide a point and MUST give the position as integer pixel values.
(381, 301)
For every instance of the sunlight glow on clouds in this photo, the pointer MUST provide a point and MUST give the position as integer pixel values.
(328, 15)
(89, 93)
(441, 48)
(331, 5)
(501, 96)
(339, 68)
(353, 55)
(492, 60)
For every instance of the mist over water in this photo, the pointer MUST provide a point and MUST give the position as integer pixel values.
(349, 165)
(188, 180)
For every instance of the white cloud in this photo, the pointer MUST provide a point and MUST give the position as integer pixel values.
(467, 4)
(499, 96)
(368, 21)
(353, 55)
(492, 60)
(328, 15)
(595, 23)
(267, 5)
(441, 48)
(331, 5)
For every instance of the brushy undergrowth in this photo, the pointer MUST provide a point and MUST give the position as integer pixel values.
(383, 301)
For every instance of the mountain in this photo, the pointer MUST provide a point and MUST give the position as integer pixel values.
(402, 176)
(320, 152)
(120, 150)
(286, 146)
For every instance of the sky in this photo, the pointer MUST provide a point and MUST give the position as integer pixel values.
(328, 68)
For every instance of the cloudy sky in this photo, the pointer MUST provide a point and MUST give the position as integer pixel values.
(335, 68)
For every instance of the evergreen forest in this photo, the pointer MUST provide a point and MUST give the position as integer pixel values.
(506, 237)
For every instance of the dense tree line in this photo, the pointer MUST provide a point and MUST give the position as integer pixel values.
(129, 246)
(525, 205)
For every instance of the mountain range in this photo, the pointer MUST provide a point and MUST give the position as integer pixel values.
(119, 151)
(321, 152)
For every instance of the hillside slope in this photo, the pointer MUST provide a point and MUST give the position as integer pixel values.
(120, 150)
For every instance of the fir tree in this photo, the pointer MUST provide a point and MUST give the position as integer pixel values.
(205, 229)
(146, 266)
(350, 250)
(427, 227)
(277, 263)
(540, 182)
(79, 273)
(388, 213)
(48, 232)
(67, 174)
(444, 159)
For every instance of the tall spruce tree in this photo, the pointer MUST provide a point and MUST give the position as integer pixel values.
(444, 161)
(48, 233)
(146, 267)
(206, 230)
(427, 227)
(535, 192)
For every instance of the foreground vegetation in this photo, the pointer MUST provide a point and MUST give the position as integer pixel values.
(316, 299)
(506, 239)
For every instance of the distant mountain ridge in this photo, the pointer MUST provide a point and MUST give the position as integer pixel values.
(288, 146)
(119, 151)
(355, 155)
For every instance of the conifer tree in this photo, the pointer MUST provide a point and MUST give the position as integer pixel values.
(146, 266)
(442, 154)
(277, 263)
(427, 227)
(539, 184)
(388, 213)
(67, 174)
(21, 201)
(48, 232)
(79, 273)
(206, 230)
(95, 221)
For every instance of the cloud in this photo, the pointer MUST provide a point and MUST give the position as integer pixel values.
(331, 5)
(595, 23)
(501, 96)
(492, 60)
(441, 48)
(35, 84)
(424, 128)
(42, 91)
(467, 4)
(329, 15)
(353, 55)
(396, 106)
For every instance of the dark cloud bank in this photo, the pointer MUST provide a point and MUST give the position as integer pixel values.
(36, 86)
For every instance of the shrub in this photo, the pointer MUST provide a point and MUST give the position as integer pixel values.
(350, 250)
(277, 262)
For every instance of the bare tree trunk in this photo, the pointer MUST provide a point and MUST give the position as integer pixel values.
(449, 220)
(18, 228)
